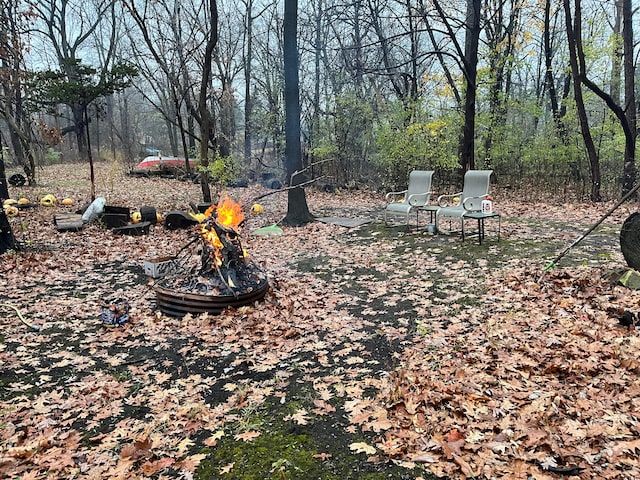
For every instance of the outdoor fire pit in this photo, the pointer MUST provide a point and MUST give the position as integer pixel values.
(219, 275)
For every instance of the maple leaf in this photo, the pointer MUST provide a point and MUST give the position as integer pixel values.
(534, 435)
(184, 445)
(227, 468)
(212, 441)
(391, 447)
(190, 464)
(137, 450)
(323, 407)
(299, 417)
(247, 436)
(162, 377)
(362, 447)
(154, 466)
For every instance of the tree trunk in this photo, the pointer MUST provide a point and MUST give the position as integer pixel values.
(616, 55)
(297, 208)
(549, 78)
(80, 129)
(574, 49)
(248, 101)
(203, 108)
(629, 174)
(89, 156)
(7, 240)
(472, 37)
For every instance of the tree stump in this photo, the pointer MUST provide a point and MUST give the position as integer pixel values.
(630, 240)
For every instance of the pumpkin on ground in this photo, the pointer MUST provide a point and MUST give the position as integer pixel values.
(48, 200)
(257, 209)
(11, 211)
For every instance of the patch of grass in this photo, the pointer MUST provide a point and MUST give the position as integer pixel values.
(273, 455)
(291, 454)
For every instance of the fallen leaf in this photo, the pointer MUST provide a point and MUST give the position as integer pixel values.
(247, 436)
(322, 456)
(362, 447)
(300, 417)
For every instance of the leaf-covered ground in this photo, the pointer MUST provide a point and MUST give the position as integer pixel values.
(378, 352)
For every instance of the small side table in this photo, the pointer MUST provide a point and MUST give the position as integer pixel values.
(431, 209)
(481, 217)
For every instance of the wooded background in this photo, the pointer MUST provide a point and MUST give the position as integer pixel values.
(541, 92)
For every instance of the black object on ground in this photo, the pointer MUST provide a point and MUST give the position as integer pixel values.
(17, 180)
(177, 219)
(141, 228)
(148, 214)
(630, 240)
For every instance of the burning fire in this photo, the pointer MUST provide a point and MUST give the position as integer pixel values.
(229, 215)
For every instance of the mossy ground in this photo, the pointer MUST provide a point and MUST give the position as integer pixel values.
(286, 450)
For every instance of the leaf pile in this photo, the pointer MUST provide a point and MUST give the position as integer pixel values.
(538, 378)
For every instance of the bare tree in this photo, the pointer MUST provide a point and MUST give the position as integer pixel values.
(502, 25)
(550, 84)
(13, 27)
(470, 61)
(630, 130)
(68, 44)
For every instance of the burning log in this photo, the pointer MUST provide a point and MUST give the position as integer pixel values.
(225, 251)
(229, 259)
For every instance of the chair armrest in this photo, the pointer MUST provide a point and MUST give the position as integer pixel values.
(410, 198)
(390, 197)
(446, 200)
(467, 206)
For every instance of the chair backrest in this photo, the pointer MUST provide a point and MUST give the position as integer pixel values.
(420, 187)
(476, 184)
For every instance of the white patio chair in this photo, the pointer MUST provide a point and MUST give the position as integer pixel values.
(474, 190)
(416, 196)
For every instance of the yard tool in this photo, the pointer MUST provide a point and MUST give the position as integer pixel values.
(22, 319)
(559, 257)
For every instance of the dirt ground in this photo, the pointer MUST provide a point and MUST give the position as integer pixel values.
(378, 352)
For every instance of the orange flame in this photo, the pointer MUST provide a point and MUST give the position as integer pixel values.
(228, 214)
